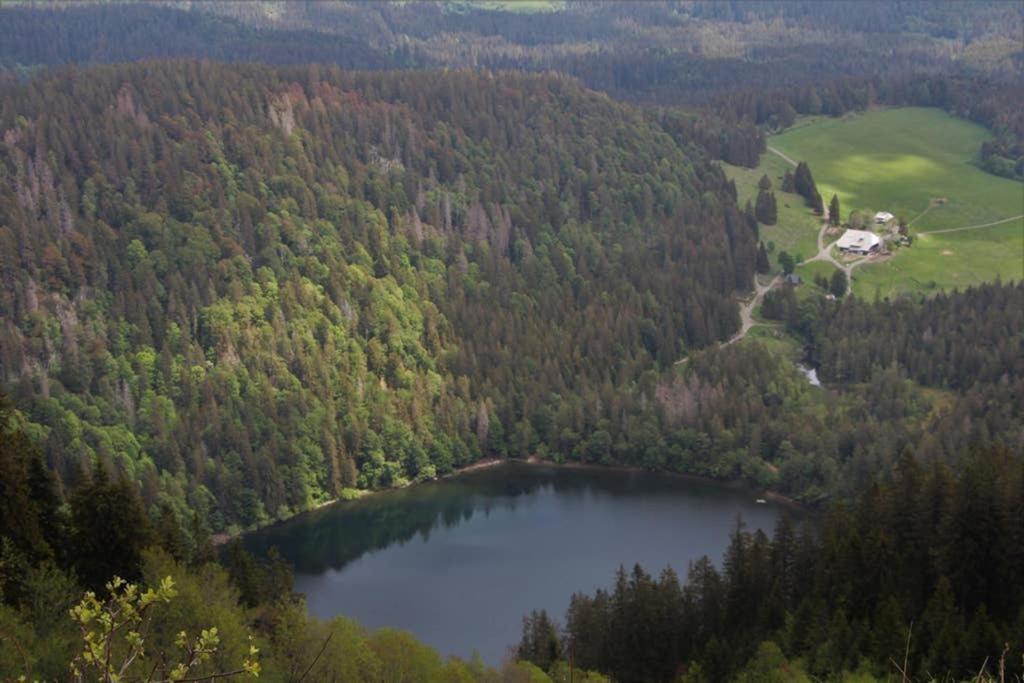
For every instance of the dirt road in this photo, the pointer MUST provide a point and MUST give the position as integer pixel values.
(747, 309)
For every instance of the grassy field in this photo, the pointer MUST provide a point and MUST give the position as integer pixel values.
(507, 5)
(957, 259)
(809, 271)
(796, 231)
(899, 160)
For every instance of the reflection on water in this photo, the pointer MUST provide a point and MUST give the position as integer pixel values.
(458, 562)
(332, 537)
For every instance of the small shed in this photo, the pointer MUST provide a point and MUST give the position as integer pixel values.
(883, 217)
(793, 279)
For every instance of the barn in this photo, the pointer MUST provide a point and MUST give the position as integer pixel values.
(859, 242)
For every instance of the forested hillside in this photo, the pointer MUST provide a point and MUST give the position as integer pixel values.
(252, 288)
(761, 62)
(81, 33)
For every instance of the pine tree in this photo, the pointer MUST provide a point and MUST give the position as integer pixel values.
(763, 265)
(766, 209)
(540, 644)
(833, 211)
(837, 285)
(804, 185)
(788, 182)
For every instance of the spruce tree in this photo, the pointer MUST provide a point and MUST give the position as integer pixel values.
(833, 211)
(763, 265)
(766, 210)
(837, 285)
(788, 182)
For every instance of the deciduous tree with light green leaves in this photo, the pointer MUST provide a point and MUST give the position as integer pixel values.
(114, 640)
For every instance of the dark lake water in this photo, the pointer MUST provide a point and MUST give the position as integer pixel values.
(459, 562)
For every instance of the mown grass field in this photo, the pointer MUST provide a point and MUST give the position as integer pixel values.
(809, 271)
(945, 261)
(797, 228)
(899, 160)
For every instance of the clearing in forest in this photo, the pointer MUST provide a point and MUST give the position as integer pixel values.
(900, 160)
(796, 230)
(917, 163)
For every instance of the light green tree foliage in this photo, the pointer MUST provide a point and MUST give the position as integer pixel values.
(560, 674)
(114, 633)
(203, 596)
(769, 665)
(530, 673)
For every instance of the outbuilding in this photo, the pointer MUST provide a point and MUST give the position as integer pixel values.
(883, 217)
(859, 242)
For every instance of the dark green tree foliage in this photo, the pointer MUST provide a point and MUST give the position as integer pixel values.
(259, 582)
(954, 340)
(109, 530)
(125, 33)
(832, 596)
(251, 288)
(763, 265)
(766, 209)
(28, 498)
(735, 410)
(803, 184)
(838, 283)
(788, 182)
(540, 643)
(786, 262)
(834, 213)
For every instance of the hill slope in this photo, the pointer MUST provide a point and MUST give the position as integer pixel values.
(252, 288)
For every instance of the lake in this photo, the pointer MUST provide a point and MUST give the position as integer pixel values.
(458, 562)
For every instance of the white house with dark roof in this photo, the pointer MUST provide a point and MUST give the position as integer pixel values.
(859, 242)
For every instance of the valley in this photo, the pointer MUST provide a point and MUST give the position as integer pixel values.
(512, 341)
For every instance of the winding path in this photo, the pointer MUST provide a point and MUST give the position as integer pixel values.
(747, 308)
(970, 227)
(775, 151)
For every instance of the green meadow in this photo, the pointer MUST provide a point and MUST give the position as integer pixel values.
(507, 5)
(796, 230)
(900, 161)
(945, 261)
(809, 271)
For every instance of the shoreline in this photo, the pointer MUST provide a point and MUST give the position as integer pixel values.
(222, 538)
(735, 484)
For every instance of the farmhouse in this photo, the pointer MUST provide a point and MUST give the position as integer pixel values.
(883, 217)
(858, 242)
